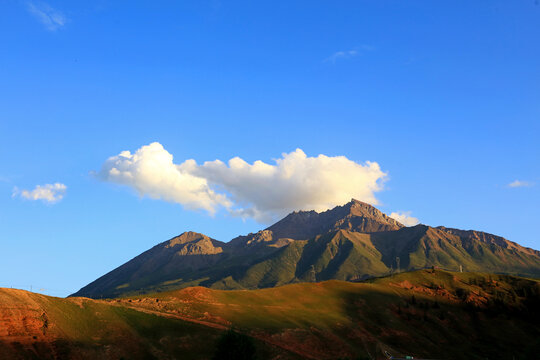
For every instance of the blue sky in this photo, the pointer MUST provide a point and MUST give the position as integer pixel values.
(443, 96)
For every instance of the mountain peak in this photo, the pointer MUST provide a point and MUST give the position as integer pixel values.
(354, 215)
(360, 208)
(354, 201)
(186, 237)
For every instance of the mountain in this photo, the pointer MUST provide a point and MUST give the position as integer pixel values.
(427, 314)
(350, 242)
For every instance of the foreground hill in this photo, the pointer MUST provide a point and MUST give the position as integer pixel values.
(350, 242)
(427, 314)
(34, 326)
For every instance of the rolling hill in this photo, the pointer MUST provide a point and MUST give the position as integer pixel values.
(350, 242)
(431, 314)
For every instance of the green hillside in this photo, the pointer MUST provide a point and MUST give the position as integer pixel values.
(430, 314)
(34, 326)
(340, 255)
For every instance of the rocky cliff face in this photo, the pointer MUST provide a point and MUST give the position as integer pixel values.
(354, 216)
(302, 225)
(473, 235)
(192, 243)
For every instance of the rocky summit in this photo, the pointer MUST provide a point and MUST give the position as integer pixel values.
(350, 242)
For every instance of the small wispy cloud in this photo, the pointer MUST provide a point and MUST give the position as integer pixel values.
(51, 18)
(341, 55)
(347, 54)
(49, 193)
(520, 183)
(405, 218)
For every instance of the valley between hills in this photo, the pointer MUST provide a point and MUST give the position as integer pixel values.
(348, 283)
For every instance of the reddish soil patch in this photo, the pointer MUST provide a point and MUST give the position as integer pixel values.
(424, 289)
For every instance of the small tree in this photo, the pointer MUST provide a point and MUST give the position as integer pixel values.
(234, 346)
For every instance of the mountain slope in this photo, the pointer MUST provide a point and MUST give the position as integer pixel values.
(422, 246)
(350, 242)
(185, 253)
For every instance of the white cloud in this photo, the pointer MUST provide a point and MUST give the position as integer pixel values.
(346, 54)
(51, 18)
(295, 182)
(519, 183)
(49, 193)
(259, 190)
(151, 172)
(405, 218)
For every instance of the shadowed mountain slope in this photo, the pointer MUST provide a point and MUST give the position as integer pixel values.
(187, 252)
(350, 242)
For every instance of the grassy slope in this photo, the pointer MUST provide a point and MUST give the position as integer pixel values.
(34, 326)
(452, 314)
(432, 314)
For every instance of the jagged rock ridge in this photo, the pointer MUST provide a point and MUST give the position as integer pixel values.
(302, 225)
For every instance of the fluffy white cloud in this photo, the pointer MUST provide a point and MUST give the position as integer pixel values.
(51, 18)
(295, 182)
(259, 190)
(151, 172)
(519, 183)
(49, 193)
(405, 218)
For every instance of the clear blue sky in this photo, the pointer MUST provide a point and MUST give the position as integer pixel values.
(444, 96)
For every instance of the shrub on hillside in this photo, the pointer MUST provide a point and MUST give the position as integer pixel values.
(235, 346)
